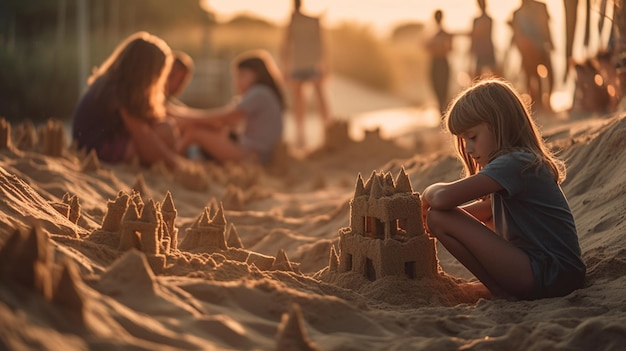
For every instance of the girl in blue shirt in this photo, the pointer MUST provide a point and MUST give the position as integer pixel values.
(507, 221)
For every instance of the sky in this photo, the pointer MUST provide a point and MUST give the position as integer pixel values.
(381, 15)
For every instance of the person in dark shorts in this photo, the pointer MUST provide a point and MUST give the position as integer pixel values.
(303, 62)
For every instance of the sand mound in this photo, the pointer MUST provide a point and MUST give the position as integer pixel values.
(262, 272)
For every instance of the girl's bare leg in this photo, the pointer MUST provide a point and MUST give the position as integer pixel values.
(502, 267)
(168, 131)
(217, 144)
(324, 111)
(298, 112)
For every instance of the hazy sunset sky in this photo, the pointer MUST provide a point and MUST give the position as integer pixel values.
(380, 14)
(383, 15)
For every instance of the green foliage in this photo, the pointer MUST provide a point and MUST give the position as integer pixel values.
(37, 86)
(358, 54)
(39, 72)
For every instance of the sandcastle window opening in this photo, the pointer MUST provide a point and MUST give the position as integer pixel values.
(374, 228)
(349, 262)
(410, 269)
(370, 271)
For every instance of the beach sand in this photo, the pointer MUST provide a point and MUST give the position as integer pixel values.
(67, 284)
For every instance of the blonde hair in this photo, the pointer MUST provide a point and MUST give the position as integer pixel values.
(495, 102)
(133, 77)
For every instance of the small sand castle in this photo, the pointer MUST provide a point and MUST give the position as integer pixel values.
(386, 236)
(90, 163)
(337, 135)
(129, 223)
(192, 177)
(208, 231)
(25, 136)
(52, 138)
(69, 207)
(27, 260)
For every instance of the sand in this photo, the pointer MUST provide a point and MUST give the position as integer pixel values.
(261, 281)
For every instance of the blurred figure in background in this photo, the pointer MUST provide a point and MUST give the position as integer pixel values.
(260, 110)
(482, 44)
(122, 113)
(531, 36)
(303, 60)
(439, 46)
(179, 77)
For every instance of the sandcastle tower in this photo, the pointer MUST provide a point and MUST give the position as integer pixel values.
(233, 198)
(115, 211)
(90, 163)
(169, 213)
(206, 233)
(25, 136)
(74, 207)
(337, 135)
(52, 137)
(386, 236)
(140, 231)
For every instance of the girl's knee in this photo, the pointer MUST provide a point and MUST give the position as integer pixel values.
(435, 220)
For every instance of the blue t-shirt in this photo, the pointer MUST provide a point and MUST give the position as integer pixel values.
(532, 213)
(264, 121)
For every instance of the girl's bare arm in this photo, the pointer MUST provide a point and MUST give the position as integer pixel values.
(187, 117)
(147, 144)
(446, 196)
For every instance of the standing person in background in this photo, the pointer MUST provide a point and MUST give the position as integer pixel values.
(260, 109)
(122, 113)
(439, 46)
(531, 35)
(482, 44)
(303, 59)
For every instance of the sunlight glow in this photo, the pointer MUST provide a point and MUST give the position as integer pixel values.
(611, 90)
(598, 80)
(561, 100)
(542, 71)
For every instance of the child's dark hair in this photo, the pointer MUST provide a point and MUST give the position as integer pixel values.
(495, 102)
(261, 63)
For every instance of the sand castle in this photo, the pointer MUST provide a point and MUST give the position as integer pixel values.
(337, 135)
(207, 232)
(69, 207)
(90, 163)
(52, 138)
(27, 259)
(129, 223)
(386, 236)
(25, 136)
